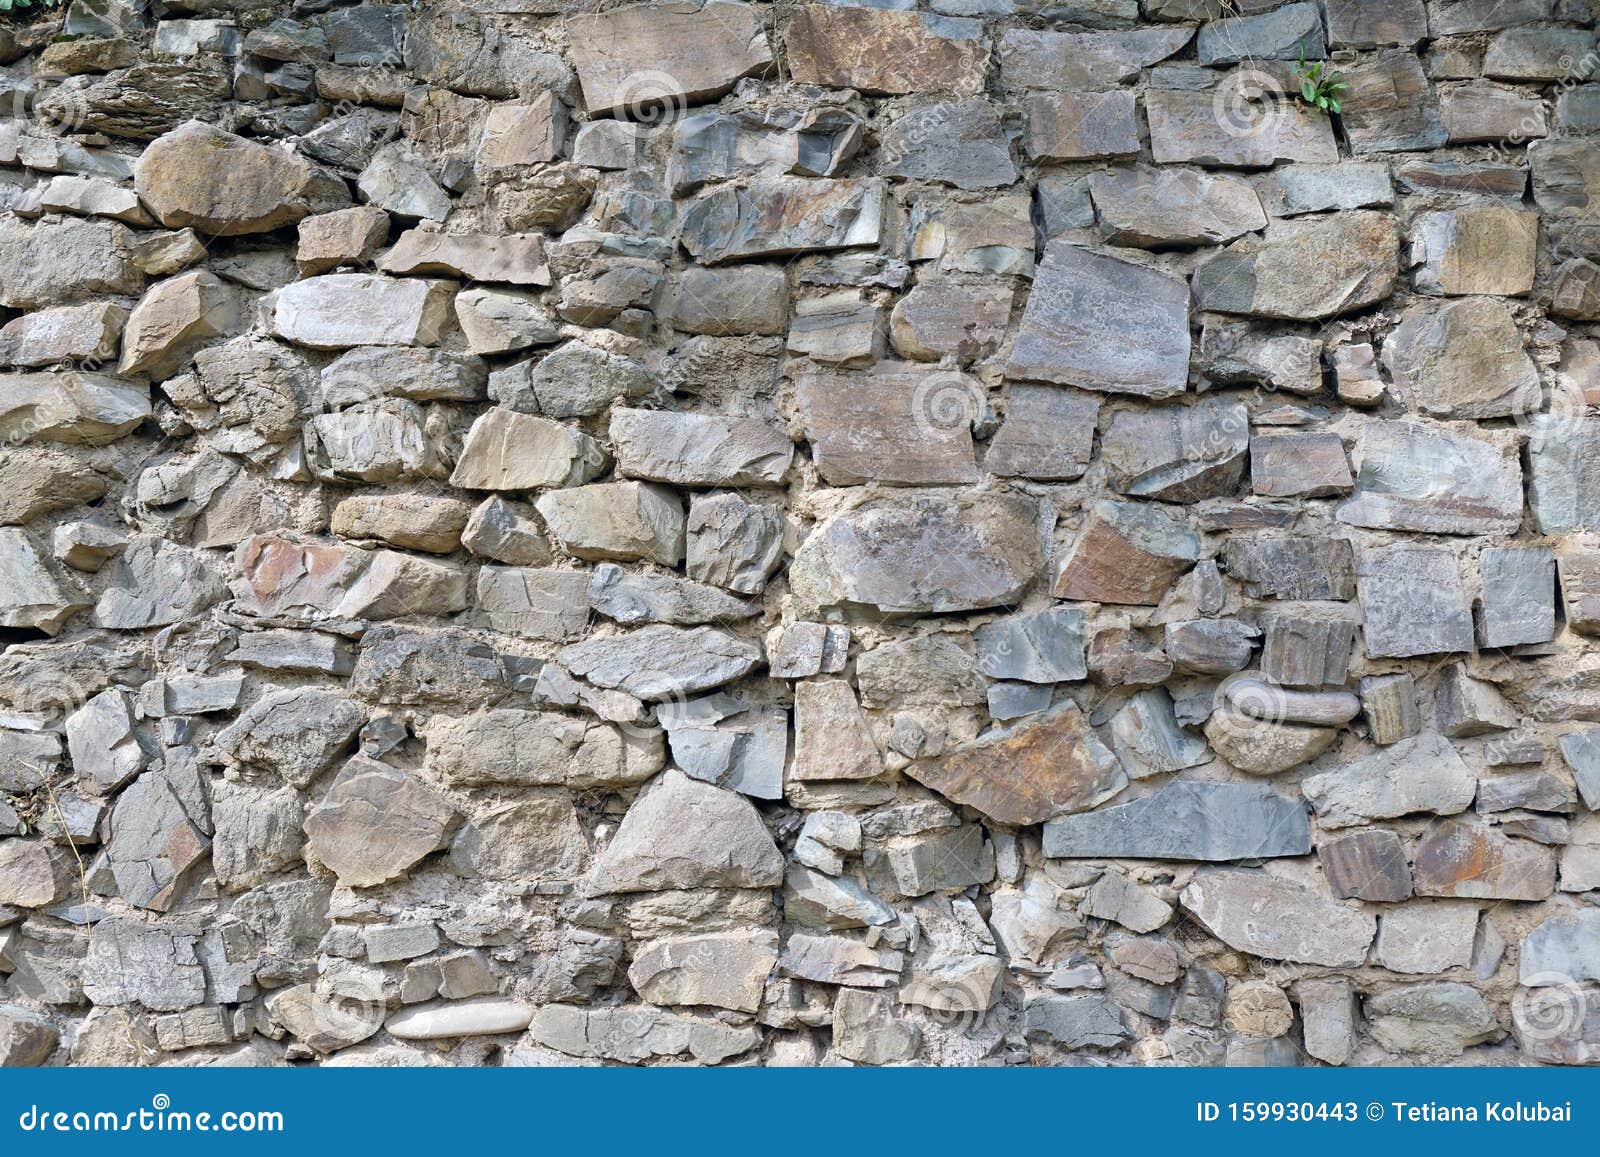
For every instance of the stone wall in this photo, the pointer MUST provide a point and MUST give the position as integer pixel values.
(797, 534)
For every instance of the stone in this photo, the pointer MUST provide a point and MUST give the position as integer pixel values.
(1186, 820)
(154, 842)
(1262, 746)
(1042, 647)
(842, 329)
(1463, 359)
(720, 970)
(340, 310)
(32, 595)
(536, 603)
(344, 237)
(1070, 60)
(1466, 706)
(866, 1031)
(1566, 179)
(1296, 569)
(257, 832)
(1392, 108)
(947, 860)
(1295, 464)
(437, 1020)
(616, 520)
(921, 554)
(832, 739)
(1581, 751)
(683, 834)
(412, 521)
(1576, 293)
(1115, 897)
(1436, 1020)
(1126, 553)
(512, 258)
(660, 662)
(295, 732)
(91, 333)
(1539, 54)
(1562, 950)
(1466, 859)
(1561, 459)
(782, 215)
(133, 963)
(881, 51)
(523, 133)
(501, 322)
(930, 671)
(507, 450)
(1427, 938)
(1412, 476)
(1295, 189)
(1518, 604)
(1366, 865)
(1414, 602)
(573, 380)
(35, 481)
(26, 1040)
(201, 177)
(732, 542)
(1328, 1018)
(634, 59)
(1029, 772)
(1079, 300)
(1355, 252)
(960, 143)
(1162, 208)
(397, 180)
(1081, 126)
(155, 583)
(32, 874)
(1256, 128)
(172, 319)
(899, 425)
(1264, 915)
(1486, 112)
(1420, 774)
(742, 300)
(1047, 434)
(937, 319)
(1580, 583)
(1287, 33)
(77, 408)
(1075, 1022)
(1147, 739)
(377, 822)
(1178, 453)
(635, 1033)
(698, 450)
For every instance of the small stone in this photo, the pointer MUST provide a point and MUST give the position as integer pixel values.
(781, 215)
(76, 408)
(1159, 208)
(505, 532)
(660, 662)
(1414, 602)
(1328, 1018)
(1308, 465)
(937, 319)
(721, 970)
(1468, 706)
(1287, 33)
(1075, 1022)
(1259, 128)
(1427, 938)
(1263, 276)
(504, 321)
(344, 237)
(507, 450)
(616, 521)
(91, 332)
(1178, 453)
(1518, 603)
(133, 963)
(1301, 568)
(832, 738)
(960, 143)
(865, 1029)
(1366, 865)
(942, 861)
(1047, 434)
(1265, 747)
(698, 450)
(1081, 126)
(1391, 107)
(1539, 54)
(1581, 750)
(155, 583)
(732, 542)
(1466, 859)
(747, 299)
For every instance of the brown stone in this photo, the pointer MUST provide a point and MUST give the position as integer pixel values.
(901, 424)
(1472, 860)
(1366, 865)
(639, 58)
(1043, 767)
(884, 52)
(1082, 126)
(1127, 553)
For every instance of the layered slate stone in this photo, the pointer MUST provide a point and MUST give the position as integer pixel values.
(1564, 473)
(1305, 567)
(1178, 453)
(1029, 772)
(1291, 32)
(681, 833)
(927, 554)
(1463, 359)
(1566, 176)
(1469, 859)
(630, 61)
(1419, 477)
(1081, 126)
(1413, 602)
(1355, 254)
(1519, 598)
(659, 662)
(1047, 434)
(1389, 106)
(1366, 865)
(961, 143)
(1156, 208)
(1103, 324)
(1265, 915)
(1070, 60)
(1421, 774)
(1186, 820)
(783, 215)
(1126, 552)
(73, 407)
(902, 424)
(884, 51)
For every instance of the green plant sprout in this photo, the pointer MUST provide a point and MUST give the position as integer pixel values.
(1319, 88)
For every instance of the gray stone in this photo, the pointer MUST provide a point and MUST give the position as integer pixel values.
(295, 732)
(660, 662)
(723, 970)
(948, 860)
(1300, 568)
(1421, 774)
(340, 310)
(1081, 126)
(832, 740)
(1255, 129)
(1068, 60)
(921, 554)
(534, 602)
(685, 52)
(698, 450)
(1413, 602)
(1581, 750)
(732, 542)
(616, 520)
(1103, 324)
(377, 822)
(1291, 32)
(1412, 476)
(1043, 647)
(902, 424)
(1518, 604)
(1389, 106)
(1147, 739)
(1075, 1022)
(1265, 915)
(1295, 189)
(134, 963)
(1435, 1020)
(73, 407)
(960, 143)
(1466, 706)
(684, 834)
(1427, 938)
(1126, 553)
(1464, 359)
(1178, 453)
(646, 598)
(866, 1031)
(635, 1033)
(1159, 208)
(1562, 950)
(783, 215)
(1047, 435)
(1185, 820)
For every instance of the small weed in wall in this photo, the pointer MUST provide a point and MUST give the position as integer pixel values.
(1320, 87)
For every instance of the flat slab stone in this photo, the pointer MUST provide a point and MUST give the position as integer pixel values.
(783, 215)
(885, 52)
(1103, 324)
(1126, 553)
(1178, 453)
(1259, 127)
(1413, 602)
(1264, 915)
(340, 310)
(1047, 434)
(1431, 479)
(659, 662)
(1159, 207)
(1029, 772)
(442, 1019)
(698, 449)
(1464, 359)
(1469, 859)
(1187, 820)
(1421, 774)
(631, 61)
(900, 424)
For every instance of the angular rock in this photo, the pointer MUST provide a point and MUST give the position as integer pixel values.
(174, 318)
(1255, 129)
(1464, 359)
(339, 310)
(1178, 453)
(634, 59)
(1048, 434)
(832, 739)
(1421, 774)
(1187, 820)
(200, 177)
(661, 662)
(506, 450)
(732, 542)
(1161, 208)
(1417, 477)
(1295, 464)
(1075, 1022)
(616, 520)
(1435, 1020)
(510, 258)
(1468, 859)
(154, 842)
(684, 834)
(1103, 324)
(1265, 915)
(960, 143)
(1427, 938)
(885, 52)
(377, 822)
(782, 215)
(1126, 553)
(1355, 254)
(90, 332)
(1366, 865)
(1391, 107)
(698, 450)
(77, 408)
(1081, 126)
(1067, 60)
(156, 583)
(921, 555)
